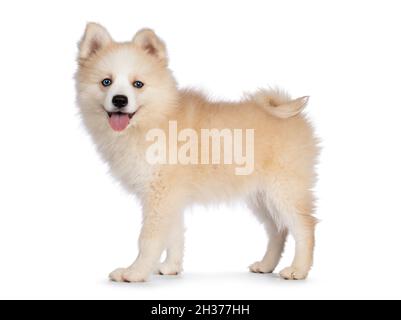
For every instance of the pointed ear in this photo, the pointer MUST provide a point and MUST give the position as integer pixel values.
(95, 38)
(148, 41)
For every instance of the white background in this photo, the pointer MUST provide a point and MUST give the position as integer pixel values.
(65, 224)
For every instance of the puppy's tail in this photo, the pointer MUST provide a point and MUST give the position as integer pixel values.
(279, 103)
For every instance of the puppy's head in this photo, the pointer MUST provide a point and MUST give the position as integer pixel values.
(123, 84)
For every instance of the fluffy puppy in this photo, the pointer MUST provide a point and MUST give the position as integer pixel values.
(127, 96)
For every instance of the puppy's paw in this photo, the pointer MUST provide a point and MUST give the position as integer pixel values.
(260, 267)
(117, 275)
(169, 268)
(131, 274)
(293, 273)
(135, 274)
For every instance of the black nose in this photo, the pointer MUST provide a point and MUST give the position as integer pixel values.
(120, 101)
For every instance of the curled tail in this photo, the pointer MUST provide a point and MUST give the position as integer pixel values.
(279, 104)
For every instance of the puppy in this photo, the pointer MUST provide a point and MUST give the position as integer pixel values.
(173, 148)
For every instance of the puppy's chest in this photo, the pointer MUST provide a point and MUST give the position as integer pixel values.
(128, 165)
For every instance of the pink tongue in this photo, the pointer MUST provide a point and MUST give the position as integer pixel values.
(118, 121)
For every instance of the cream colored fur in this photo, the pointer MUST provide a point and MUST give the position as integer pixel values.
(278, 191)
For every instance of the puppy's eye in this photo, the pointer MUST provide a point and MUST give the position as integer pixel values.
(106, 82)
(138, 84)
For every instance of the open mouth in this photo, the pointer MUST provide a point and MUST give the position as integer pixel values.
(118, 121)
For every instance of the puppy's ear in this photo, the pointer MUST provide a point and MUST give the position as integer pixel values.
(94, 39)
(148, 41)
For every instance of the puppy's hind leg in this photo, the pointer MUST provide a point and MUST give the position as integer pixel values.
(172, 265)
(276, 237)
(295, 207)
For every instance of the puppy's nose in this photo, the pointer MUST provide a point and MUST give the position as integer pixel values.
(120, 101)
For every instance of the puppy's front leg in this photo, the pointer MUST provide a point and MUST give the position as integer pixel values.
(175, 249)
(160, 212)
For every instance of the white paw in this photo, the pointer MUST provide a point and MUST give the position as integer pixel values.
(167, 268)
(260, 267)
(131, 274)
(117, 275)
(292, 273)
(135, 275)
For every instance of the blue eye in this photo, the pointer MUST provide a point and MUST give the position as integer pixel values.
(106, 82)
(138, 84)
